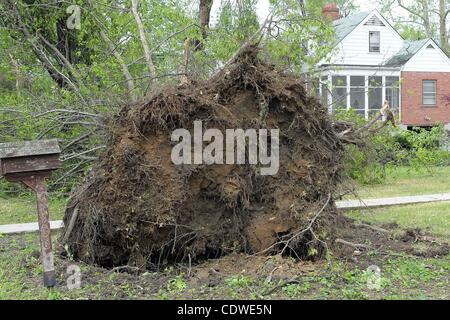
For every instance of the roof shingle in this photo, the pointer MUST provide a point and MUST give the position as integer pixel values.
(346, 25)
(410, 48)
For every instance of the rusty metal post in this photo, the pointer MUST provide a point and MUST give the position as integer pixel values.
(44, 231)
(30, 162)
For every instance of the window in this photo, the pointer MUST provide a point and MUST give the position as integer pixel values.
(324, 88)
(393, 93)
(429, 92)
(357, 94)
(339, 92)
(375, 95)
(312, 85)
(374, 41)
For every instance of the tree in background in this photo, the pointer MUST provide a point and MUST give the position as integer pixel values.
(425, 19)
(65, 82)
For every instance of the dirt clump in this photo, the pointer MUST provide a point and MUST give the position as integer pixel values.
(137, 207)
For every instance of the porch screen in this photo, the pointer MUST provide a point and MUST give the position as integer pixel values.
(339, 92)
(357, 94)
(313, 87)
(393, 93)
(375, 95)
(324, 89)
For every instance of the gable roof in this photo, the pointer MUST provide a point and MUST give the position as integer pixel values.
(344, 26)
(410, 48)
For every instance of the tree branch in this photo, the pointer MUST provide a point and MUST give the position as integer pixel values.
(118, 57)
(144, 42)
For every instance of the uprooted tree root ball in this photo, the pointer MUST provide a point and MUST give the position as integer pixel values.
(138, 208)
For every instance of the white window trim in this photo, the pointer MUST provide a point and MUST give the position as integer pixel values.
(364, 87)
(430, 92)
(336, 106)
(348, 93)
(379, 43)
(366, 106)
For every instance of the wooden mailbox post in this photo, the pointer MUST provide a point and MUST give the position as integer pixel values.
(30, 162)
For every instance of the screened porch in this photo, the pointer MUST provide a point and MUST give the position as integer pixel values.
(362, 93)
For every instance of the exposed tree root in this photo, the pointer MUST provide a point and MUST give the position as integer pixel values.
(137, 208)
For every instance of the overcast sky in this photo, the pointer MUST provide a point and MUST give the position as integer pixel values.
(263, 8)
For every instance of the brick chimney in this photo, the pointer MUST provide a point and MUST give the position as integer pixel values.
(331, 12)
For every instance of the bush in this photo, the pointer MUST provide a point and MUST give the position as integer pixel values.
(365, 164)
(424, 148)
(419, 148)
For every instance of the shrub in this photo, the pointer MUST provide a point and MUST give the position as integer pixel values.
(420, 148)
(424, 148)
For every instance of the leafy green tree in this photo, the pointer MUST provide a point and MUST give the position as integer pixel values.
(65, 82)
(424, 18)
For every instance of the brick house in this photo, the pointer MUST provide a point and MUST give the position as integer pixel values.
(371, 63)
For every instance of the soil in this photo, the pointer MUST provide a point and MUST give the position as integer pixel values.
(265, 276)
(137, 208)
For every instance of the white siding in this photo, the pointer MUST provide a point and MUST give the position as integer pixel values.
(428, 60)
(354, 49)
(365, 72)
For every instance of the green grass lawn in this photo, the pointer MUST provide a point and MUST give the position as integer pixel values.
(402, 277)
(432, 217)
(23, 209)
(403, 181)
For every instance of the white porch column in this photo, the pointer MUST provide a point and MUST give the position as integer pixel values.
(366, 90)
(348, 93)
(383, 94)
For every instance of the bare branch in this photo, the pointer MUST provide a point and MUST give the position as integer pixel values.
(144, 42)
(118, 57)
(77, 155)
(61, 57)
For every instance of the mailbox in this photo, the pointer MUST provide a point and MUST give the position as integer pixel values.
(30, 162)
(28, 158)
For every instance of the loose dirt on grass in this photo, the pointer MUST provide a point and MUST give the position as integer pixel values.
(363, 239)
(406, 273)
(139, 210)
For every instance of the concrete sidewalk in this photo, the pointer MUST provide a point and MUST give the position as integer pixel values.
(382, 202)
(28, 227)
(347, 204)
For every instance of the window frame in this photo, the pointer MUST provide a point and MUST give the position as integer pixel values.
(435, 93)
(338, 101)
(324, 89)
(374, 93)
(357, 89)
(379, 42)
(392, 91)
